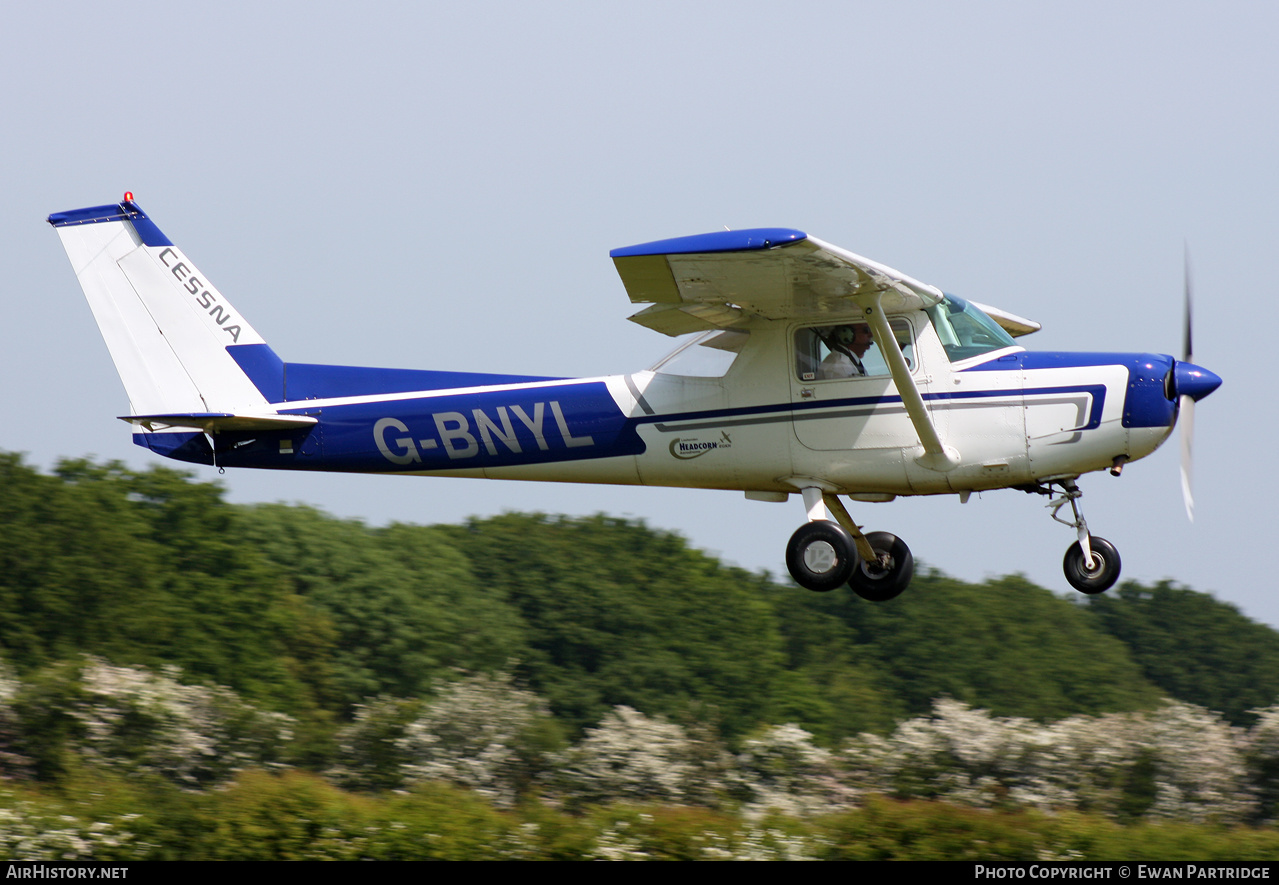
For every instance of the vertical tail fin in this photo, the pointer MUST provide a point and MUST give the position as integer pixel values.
(177, 343)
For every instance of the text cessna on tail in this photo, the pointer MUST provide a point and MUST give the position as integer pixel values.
(810, 370)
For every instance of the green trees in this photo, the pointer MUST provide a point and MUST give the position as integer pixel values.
(1193, 647)
(401, 604)
(1006, 645)
(140, 568)
(317, 617)
(615, 613)
(76, 556)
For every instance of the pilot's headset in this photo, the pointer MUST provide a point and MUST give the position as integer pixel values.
(841, 339)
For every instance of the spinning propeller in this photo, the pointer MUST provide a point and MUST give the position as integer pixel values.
(1188, 383)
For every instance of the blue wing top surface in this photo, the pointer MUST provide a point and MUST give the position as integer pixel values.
(717, 241)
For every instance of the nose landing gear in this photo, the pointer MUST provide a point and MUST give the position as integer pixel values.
(1092, 564)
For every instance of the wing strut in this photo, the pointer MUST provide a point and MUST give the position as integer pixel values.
(937, 456)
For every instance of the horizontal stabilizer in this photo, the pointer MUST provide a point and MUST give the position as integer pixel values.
(213, 422)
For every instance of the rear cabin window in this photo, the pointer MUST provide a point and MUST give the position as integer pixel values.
(704, 355)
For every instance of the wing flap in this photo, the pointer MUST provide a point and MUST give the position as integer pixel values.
(681, 319)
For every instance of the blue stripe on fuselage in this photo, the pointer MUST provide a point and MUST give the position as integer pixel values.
(1096, 391)
(310, 381)
(484, 428)
(1145, 404)
(1058, 359)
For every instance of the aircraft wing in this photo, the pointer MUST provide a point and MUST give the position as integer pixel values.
(716, 280)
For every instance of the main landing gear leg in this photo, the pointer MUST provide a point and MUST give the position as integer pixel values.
(1091, 564)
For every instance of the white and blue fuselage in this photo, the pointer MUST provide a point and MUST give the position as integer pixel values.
(1018, 417)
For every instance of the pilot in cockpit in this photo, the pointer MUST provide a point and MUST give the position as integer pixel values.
(848, 345)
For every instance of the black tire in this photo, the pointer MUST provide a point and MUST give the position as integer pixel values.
(821, 555)
(1105, 571)
(873, 582)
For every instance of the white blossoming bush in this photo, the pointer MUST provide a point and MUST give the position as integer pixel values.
(1261, 753)
(958, 754)
(13, 764)
(1200, 770)
(632, 758)
(629, 833)
(1179, 761)
(28, 833)
(481, 732)
(1089, 763)
(135, 720)
(784, 771)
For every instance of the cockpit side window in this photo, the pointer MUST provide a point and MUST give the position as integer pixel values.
(703, 355)
(847, 350)
(965, 331)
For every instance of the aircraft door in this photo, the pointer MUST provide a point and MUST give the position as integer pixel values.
(843, 396)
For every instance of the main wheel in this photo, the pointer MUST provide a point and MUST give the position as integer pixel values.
(1105, 566)
(821, 555)
(879, 581)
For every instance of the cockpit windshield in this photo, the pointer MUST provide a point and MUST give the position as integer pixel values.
(965, 331)
(704, 355)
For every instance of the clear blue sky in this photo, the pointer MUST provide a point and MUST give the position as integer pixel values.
(438, 186)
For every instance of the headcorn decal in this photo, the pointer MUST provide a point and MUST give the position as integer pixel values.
(690, 447)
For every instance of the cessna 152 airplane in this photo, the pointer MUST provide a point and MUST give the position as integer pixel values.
(812, 370)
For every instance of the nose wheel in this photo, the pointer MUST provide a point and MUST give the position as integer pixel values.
(1093, 577)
